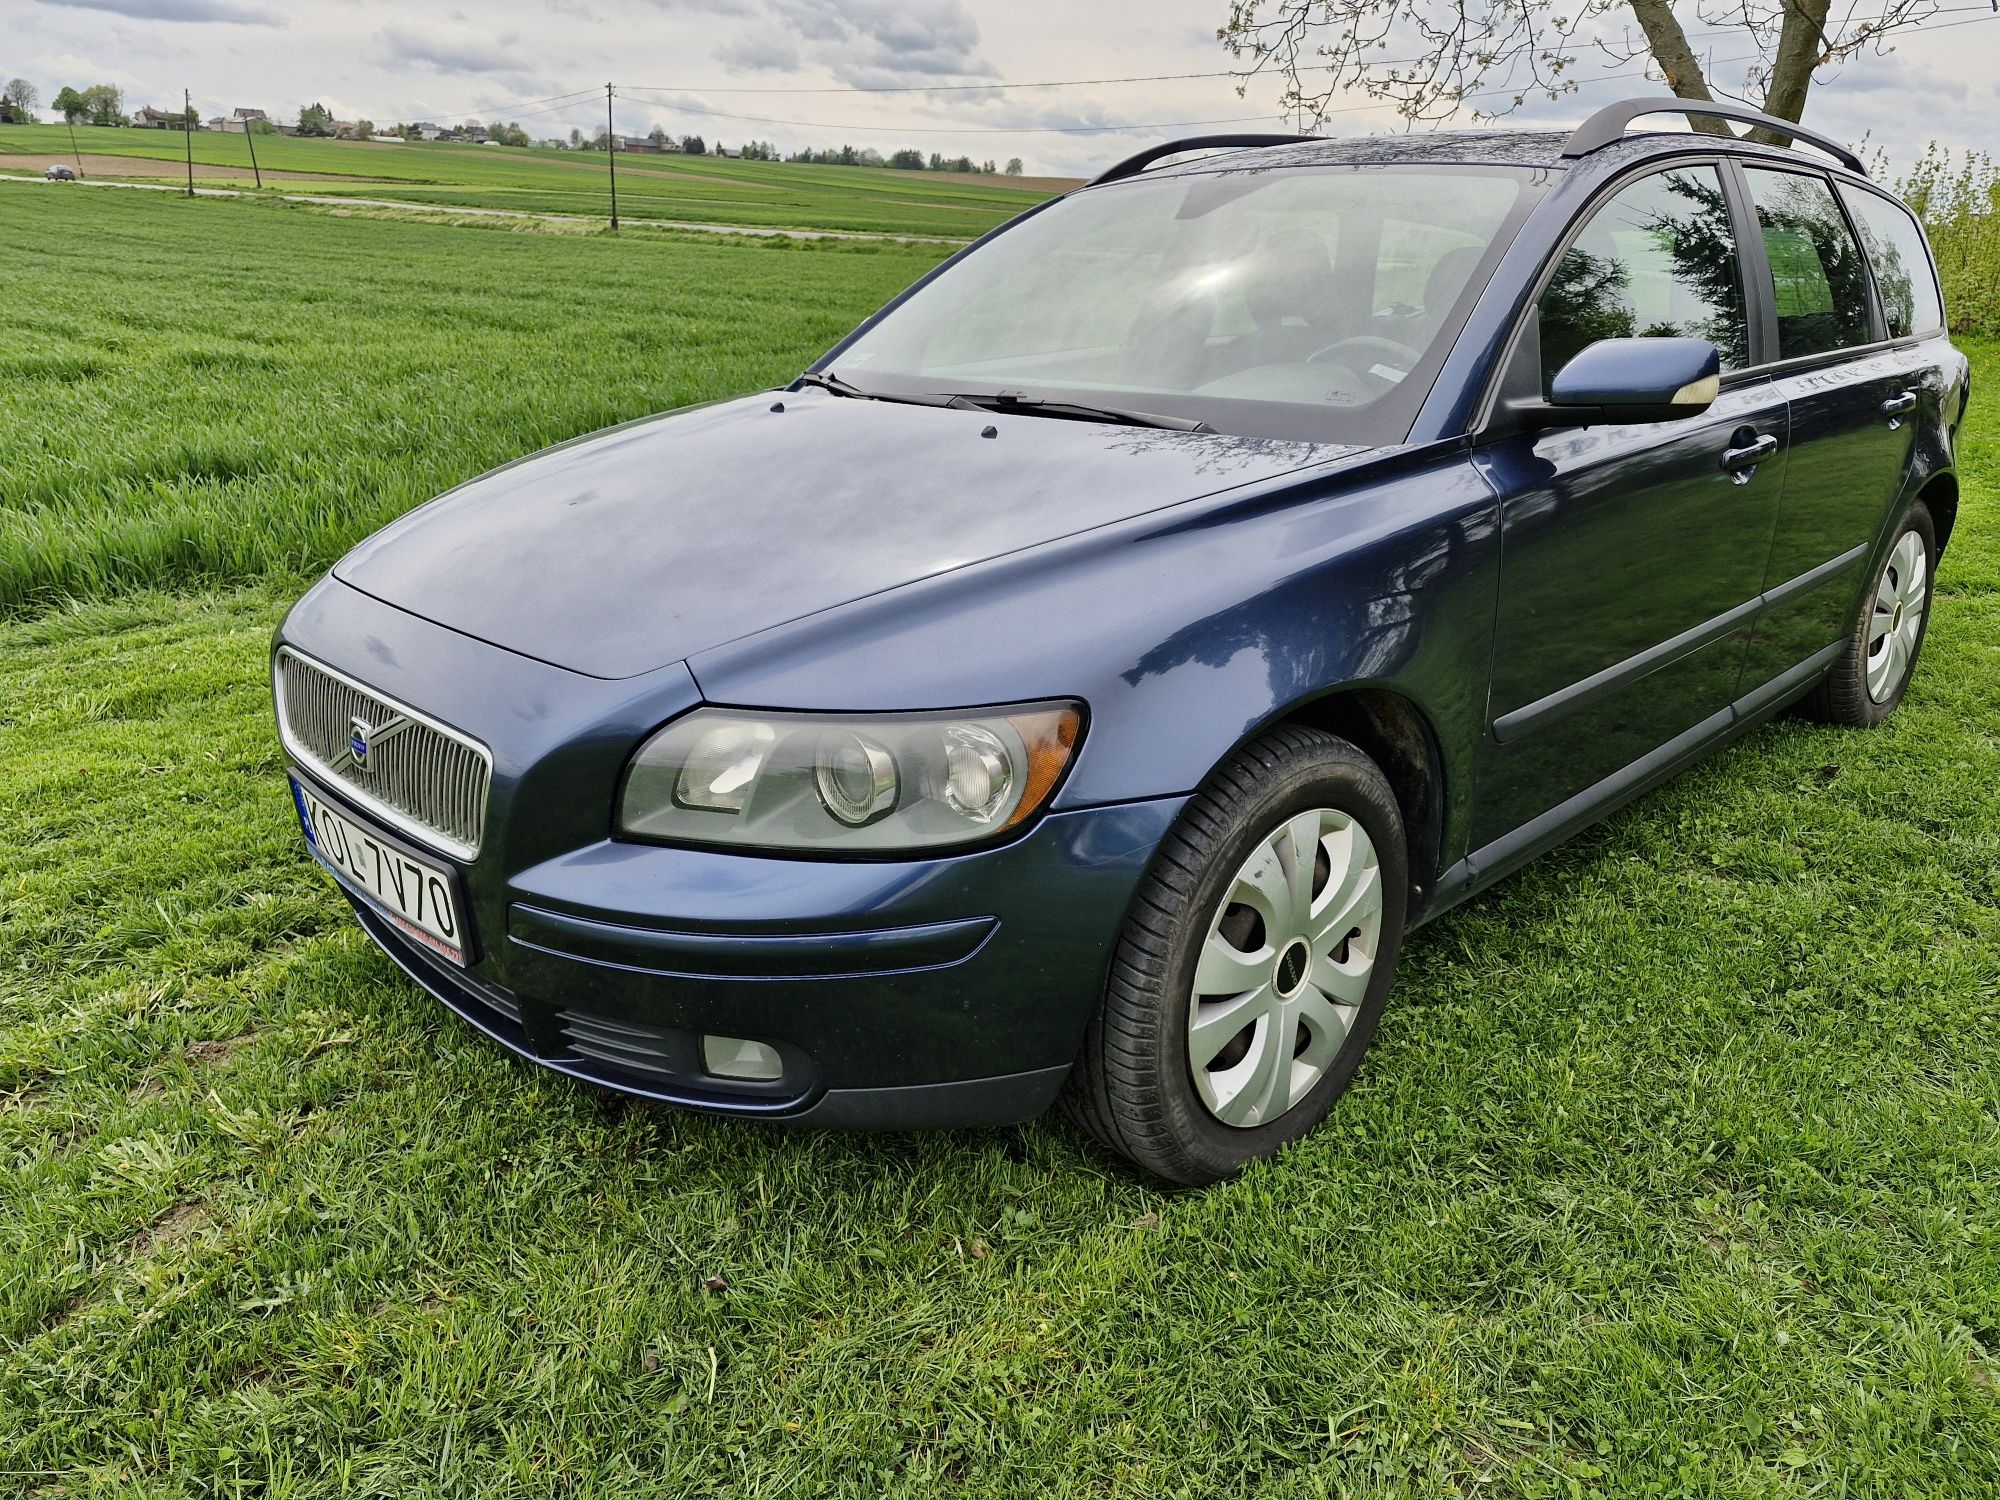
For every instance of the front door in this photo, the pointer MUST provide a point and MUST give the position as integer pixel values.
(1632, 556)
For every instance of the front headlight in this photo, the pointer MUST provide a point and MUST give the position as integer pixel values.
(846, 783)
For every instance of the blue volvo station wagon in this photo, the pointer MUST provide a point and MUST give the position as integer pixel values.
(1079, 682)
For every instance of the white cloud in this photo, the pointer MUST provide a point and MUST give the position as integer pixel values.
(179, 10)
(404, 59)
(453, 51)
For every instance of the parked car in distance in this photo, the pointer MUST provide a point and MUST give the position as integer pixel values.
(57, 172)
(1080, 681)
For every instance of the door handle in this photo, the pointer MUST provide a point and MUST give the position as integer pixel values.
(1744, 457)
(1895, 406)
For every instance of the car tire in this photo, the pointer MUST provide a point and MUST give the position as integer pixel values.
(1863, 686)
(1151, 1081)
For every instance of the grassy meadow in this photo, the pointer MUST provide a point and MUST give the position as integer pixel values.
(697, 189)
(208, 390)
(1673, 1170)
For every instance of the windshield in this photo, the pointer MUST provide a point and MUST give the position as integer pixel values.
(1300, 302)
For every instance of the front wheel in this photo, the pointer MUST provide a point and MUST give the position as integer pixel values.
(1254, 965)
(1864, 686)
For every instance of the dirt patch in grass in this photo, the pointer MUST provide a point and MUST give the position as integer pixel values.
(149, 167)
(212, 1052)
(176, 1224)
(1000, 179)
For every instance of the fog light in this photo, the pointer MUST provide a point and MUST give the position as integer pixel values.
(735, 1057)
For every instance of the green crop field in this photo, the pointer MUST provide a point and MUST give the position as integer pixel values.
(1673, 1171)
(696, 189)
(211, 390)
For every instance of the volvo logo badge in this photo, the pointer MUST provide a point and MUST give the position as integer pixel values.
(367, 739)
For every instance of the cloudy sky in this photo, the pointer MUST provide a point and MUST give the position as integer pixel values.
(786, 70)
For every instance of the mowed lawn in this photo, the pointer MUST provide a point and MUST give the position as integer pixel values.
(1673, 1170)
(700, 189)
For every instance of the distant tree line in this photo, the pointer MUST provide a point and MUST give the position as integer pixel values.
(17, 102)
(104, 104)
(909, 159)
(100, 104)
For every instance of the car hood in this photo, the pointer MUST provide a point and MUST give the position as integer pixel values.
(621, 552)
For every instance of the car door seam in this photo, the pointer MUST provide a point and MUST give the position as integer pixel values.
(1600, 685)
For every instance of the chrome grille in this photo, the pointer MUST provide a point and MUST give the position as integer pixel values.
(420, 776)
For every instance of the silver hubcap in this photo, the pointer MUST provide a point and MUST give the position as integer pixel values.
(1284, 967)
(1900, 595)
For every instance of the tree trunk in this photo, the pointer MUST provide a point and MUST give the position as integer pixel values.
(1670, 49)
(1799, 42)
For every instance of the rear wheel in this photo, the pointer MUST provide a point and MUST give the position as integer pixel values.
(1864, 686)
(1255, 963)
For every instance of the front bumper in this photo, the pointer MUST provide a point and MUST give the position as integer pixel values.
(924, 992)
(897, 1020)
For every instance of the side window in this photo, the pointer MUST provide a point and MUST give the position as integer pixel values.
(1819, 281)
(1658, 260)
(1903, 273)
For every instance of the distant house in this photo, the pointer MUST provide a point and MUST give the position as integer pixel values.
(240, 120)
(159, 119)
(474, 133)
(347, 130)
(732, 151)
(426, 131)
(639, 143)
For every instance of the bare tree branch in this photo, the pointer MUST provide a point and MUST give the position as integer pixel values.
(1431, 59)
(1669, 46)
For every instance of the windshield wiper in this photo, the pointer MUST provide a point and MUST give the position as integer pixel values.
(1077, 411)
(1026, 406)
(828, 381)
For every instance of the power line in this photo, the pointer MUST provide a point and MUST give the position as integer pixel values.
(554, 101)
(922, 129)
(1072, 83)
(682, 109)
(560, 102)
(522, 114)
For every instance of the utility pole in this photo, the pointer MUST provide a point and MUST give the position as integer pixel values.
(74, 150)
(611, 154)
(250, 139)
(187, 108)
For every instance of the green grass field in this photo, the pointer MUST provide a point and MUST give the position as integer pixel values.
(1673, 1170)
(197, 392)
(706, 190)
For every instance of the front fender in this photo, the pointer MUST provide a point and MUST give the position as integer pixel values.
(1185, 631)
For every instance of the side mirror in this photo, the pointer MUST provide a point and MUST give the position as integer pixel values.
(1634, 380)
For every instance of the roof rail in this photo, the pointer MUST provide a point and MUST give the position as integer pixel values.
(1132, 166)
(1608, 125)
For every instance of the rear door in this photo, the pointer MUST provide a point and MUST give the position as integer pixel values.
(1853, 392)
(1631, 555)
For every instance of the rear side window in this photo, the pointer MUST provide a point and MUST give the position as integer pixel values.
(1903, 274)
(1657, 260)
(1819, 280)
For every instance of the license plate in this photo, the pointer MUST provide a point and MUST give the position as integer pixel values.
(419, 897)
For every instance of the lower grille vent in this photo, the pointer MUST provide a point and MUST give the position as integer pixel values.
(656, 1052)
